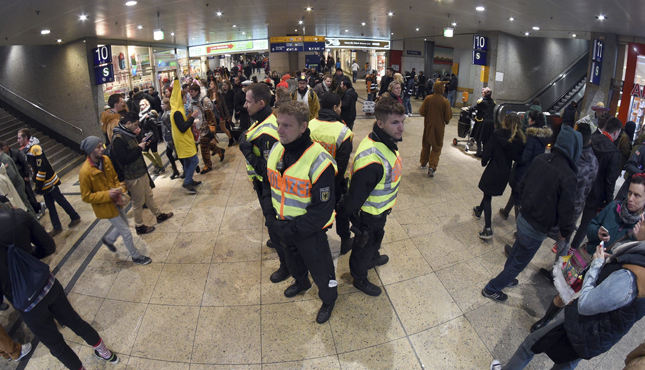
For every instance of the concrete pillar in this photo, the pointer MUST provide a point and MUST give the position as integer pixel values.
(293, 62)
(429, 58)
(600, 93)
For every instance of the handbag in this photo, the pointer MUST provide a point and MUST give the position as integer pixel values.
(28, 274)
(570, 273)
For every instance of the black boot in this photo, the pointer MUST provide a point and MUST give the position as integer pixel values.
(231, 142)
(551, 312)
(346, 245)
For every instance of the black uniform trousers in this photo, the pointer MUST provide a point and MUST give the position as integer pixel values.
(342, 221)
(275, 239)
(362, 256)
(40, 320)
(312, 254)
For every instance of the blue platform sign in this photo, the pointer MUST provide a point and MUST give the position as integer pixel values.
(480, 43)
(103, 75)
(479, 58)
(598, 47)
(596, 70)
(102, 55)
(314, 46)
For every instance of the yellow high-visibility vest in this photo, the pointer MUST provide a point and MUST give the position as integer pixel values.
(331, 135)
(291, 190)
(383, 197)
(270, 127)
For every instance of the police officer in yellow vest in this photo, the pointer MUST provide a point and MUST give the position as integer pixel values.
(255, 144)
(298, 197)
(374, 185)
(329, 131)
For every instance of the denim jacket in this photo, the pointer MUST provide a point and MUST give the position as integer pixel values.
(617, 290)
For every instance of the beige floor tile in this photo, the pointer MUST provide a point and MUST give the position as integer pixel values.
(405, 262)
(156, 245)
(468, 234)
(97, 278)
(174, 224)
(246, 217)
(135, 283)
(218, 198)
(397, 354)
(228, 335)
(242, 194)
(412, 298)
(203, 220)
(137, 363)
(360, 321)
(464, 274)
(232, 246)
(163, 325)
(41, 358)
(441, 249)
(393, 231)
(306, 338)
(444, 346)
(418, 221)
(192, 247)
(225, 367)
(181, 284)
(323, 363)
(232, 284)
(274, 293)
(86, 306)
(345, 279)
(119, 333)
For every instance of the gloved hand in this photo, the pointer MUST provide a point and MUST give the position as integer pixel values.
(340, 206)
(245, 146)
(279, 227)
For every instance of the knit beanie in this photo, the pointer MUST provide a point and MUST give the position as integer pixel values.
(89, 143)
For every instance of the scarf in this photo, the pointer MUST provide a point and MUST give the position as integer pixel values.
(627, 217)
(144, 113)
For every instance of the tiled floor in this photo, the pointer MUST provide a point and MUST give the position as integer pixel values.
(206, 302)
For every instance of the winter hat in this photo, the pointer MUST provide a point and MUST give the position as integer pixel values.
(286, 77)
(570, 142)
(89, 143)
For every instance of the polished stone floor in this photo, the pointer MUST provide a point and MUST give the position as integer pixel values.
(206, 302)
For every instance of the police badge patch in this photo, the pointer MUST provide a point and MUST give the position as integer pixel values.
(325, 193)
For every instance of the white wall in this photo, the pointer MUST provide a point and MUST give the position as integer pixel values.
(464, 58)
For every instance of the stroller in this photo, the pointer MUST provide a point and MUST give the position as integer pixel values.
(464, 129)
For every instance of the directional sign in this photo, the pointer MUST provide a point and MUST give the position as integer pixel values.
(598, 47)
(228, 47)
(102, 55)
(479, 58)
(480, 43)
(596, 70)
(104, 74)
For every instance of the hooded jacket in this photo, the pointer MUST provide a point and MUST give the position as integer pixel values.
(45, 178)
(498, 158)
(109, 120)
(8, 189)
(525, 119)
(536, 142)
(128, 153)
(435, 109)
(587, 171)
(602, 192)
(321, 89)
(348, 109)
(182, 136)
(569, 114)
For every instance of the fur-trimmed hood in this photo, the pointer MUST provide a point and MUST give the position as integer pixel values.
(540, 132)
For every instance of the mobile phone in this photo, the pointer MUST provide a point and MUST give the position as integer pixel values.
(602, 228)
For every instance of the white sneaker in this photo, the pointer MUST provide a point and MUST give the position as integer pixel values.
(26, 348)
(495, 365)
(423, 167)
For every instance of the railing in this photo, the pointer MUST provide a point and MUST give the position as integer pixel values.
(40, 108)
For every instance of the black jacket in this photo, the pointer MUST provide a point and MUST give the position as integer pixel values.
(485, 109)
(128, 153)
(635, 164)
(569, 114)
(385, 83)
(454, 82)
(20, 161)
(229, 98)
(263, 142)
(536, 142)
(149, 128)
(421, 80)
(157, 104)
(602, 192)
(498, 158)
(548, 193)
(241, 113)
(136, 98)
(27, 232)
(318, 211)
(348, 109)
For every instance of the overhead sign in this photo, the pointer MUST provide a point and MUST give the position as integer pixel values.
(103, 75)
(596, 70)
(413, 52)
(479, 58)
(340, 43)
(598, 47)
(228, 47)
(102, 55)
(297, 43)
(480, 43)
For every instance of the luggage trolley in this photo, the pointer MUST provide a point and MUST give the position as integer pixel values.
(464, 129)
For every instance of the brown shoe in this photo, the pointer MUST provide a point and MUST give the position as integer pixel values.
(164, 216)
(74, 223)
(55, 232)
(206, 170)
(143, 229)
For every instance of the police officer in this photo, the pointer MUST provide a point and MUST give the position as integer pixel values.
(255, 144)
(298, 197)
(374, 185)
(329, 131)
(484, 121)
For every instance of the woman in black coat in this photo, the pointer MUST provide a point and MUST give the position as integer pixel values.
(505, 146)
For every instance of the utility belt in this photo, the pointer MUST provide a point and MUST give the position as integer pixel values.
(363, 226)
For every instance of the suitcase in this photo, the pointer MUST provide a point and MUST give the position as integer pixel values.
(368, 107)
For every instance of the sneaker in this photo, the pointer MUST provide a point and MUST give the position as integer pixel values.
(26, 348)
(507, 250)
(174, 175)
(206, 170)
(143, 229)
(164, 216)
(109, 246)
(196, 183)
(296, 288)
(197, 170)
(513, 283)
(324, 313)
(143, 260)
(279, 275)
(190, 188)
(367, 287)
(486, 234)
(477, 213)
(74, 223)
(271, 244)
(423, 167)
(431, 172)
(503, 213)
(221, 158)
(161, 170)
(55, 232)
(495, 365)
(114, 359)
(499, 296)
(183, 175)
(555, 248)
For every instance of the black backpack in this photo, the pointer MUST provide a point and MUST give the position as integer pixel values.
(28, 274)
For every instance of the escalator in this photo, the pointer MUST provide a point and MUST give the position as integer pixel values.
(569, 86)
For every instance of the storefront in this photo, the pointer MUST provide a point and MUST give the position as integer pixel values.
(233, 52)
(366, 52)
(632, 103)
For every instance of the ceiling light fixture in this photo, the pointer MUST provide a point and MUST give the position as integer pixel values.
(392, 33)
(425, 39)
(362, 24)
(130, 3)
(83, 17)
(601, 17)
(243, 33)
(536, 28)
(480, 8)
(296, 30)
(235, 25)
(511, 19)
(526, 33)
(299, 22)
(454, 24)
(574, 35)
(59, 40)
(390, 14)
(172, 34)
(45, 32)
(448, 32)
(417, 29)
(219, 14)
(309, 9)
(140, 27)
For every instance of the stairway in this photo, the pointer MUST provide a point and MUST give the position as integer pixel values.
(567, 98)
(62, 158)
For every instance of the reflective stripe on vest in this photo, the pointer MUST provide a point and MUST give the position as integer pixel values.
(291, 190)
(330, 135)
(269, 127)
(383, 197)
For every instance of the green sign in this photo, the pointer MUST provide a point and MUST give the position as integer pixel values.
(228, 47)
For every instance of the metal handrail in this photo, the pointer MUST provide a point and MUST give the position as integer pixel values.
(37, 107)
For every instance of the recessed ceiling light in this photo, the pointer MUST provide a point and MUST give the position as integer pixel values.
(60, 40)
(45, 32)
(83, 17)
(130, 3)
(346, 30)
(425, 39)
(454, 24)
(601, 17)
(480, 8)
(390, 14)
(392, 33)
(243, 33)
(574, 35)
(309, 9)
(362, 24)
(235, 25)
(536, 28)
(417, 29)
(219, 14)
(299, 22)
(511, 19)
(140, 27)
(172, 34)
(296, 30)
(526, 33)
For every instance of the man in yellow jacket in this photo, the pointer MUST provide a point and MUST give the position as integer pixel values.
(100, 186)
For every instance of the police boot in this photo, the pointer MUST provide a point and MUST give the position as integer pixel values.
(281, 274)
(551, 312)
(367, 287)
(379, 261)
(297, 287)
(324, 313)
(346, 245)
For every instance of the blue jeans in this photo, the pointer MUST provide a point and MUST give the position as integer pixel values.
(371, 96)
(521, 254)
(524, 355)
(452, 94)
(190, 164)
(407, 105)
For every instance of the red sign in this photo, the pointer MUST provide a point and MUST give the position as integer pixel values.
(219, 47)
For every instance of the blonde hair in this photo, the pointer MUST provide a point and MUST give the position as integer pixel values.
(398, 78)
(512, 122)
(392, 84)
